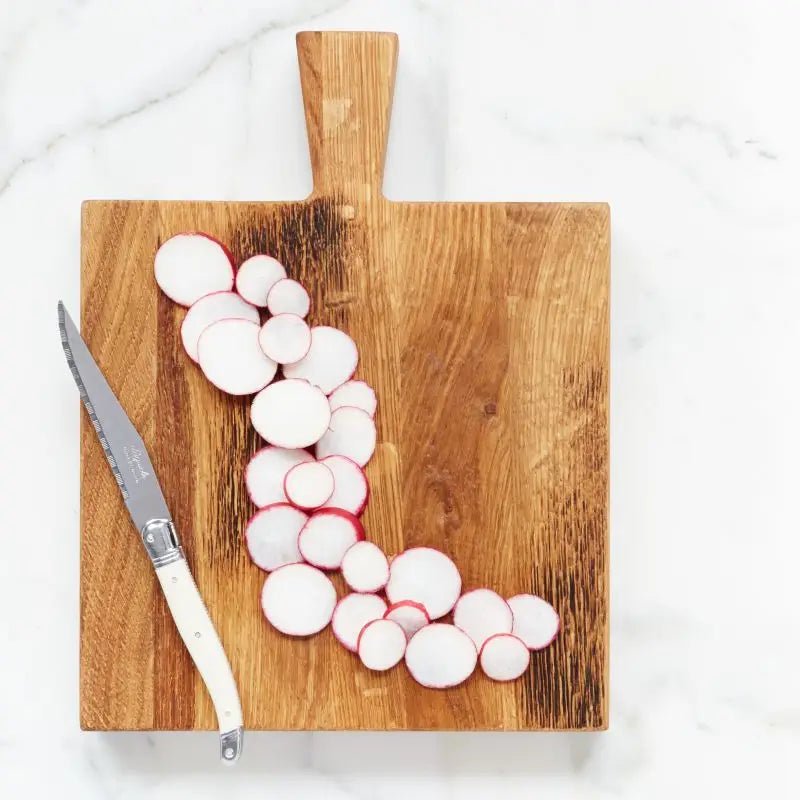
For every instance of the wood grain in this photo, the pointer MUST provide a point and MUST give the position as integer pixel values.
(483, 327)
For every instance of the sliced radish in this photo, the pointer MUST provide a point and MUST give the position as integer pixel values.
(308, 485)
(298, 600)
(482, 613)
(256, 276)
(352, 613)
(191, 265)
(381, 645)
(439, 656)
(351, 432)
(504, 657)
(285, 338)
(209, 309)
(231, 358)
(331, 360)
(365, 568)
(271, 536)
(327, 536)
(536, 622)
(266, 471)
(410, 616)
(356, 394)
(288, 297)
(426, 576)
(290, 413)
(351, 490)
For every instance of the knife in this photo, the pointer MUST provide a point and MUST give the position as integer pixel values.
(130, 463)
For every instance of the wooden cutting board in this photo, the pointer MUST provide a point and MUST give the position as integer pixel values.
(484, 328)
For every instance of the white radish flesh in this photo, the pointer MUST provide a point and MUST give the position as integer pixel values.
(256, 276)
(210, 309)
(191, 265)
(426, 576)
(365, 568)
(351, 490)
(267, 470)
(410, 616)
(231, 358)
(356, 394)
(327, 536)
(482, 613)
(381, 645)
(440, 656)
(308, 485)
(536, 622)
(288, 297)
(271, 536)
(298, 600)
(330, 361)
(285, 338)
(504, 657)
(352, 613)
(351, 433)
(290, 413)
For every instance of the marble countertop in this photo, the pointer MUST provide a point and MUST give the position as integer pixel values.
(684, 117)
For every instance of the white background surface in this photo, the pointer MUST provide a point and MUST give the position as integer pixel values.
(684, 116)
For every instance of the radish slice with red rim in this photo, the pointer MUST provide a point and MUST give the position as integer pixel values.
(504, 657)
(351, 490)
(365, 568)
(352, 613)
(536, 622)
(308, 485)
(210, 309)
(290, 413)
(381, 645)
(356, 394)
(298, 600)
(285, 338)
(426, 576)
(351, 433)
(271, 536)
(327, 536)
(231, 358)
(191, 265)
(410, 616)
(330, 361)
(256, 276)
(440, 656)
(287, 296)
(482, 613)
(266, 471)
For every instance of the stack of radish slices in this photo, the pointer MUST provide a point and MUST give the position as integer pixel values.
(309, 503)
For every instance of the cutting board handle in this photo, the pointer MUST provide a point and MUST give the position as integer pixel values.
(348, 81)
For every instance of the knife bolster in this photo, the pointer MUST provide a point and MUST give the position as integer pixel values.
(161, 541)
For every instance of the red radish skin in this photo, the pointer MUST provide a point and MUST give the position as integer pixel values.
(231, 358)
(287, 296)
(482, 613)
(298, 600)
(352, 613)
(266, 471)
(308, 485)
(440, 656)
(327, 536)
(330, 361)
(271, 536)
(351, 433)
(209, 309)
(290, 413)
(365, 568)
(381, 645)
(536, 622)
(190, 265)
(504, 657)
(426, 576)
(356, 394)
(351, 490)
(256, 276)
(285, 338)
(410, 616)
(225, 248)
